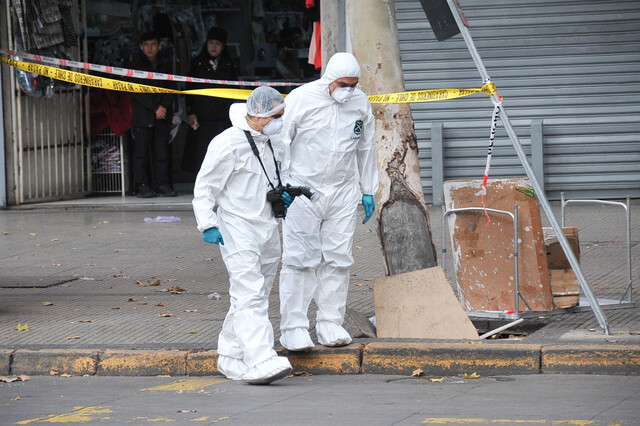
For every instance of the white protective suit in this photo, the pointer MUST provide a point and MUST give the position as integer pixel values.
(232, 180)
(322, 138)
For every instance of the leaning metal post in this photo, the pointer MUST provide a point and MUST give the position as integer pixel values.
(562, 239)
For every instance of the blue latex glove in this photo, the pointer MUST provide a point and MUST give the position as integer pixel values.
(287, 198)
(212, 236)
(369, 207)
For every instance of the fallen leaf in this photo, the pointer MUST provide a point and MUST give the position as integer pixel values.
(54, 372)
(73, 337)
(194, 331)
(177, 290)
(358, 247)
(22, 327)
(473, 342)
(617, 332)
(85, 321)
(91, 264)
(5, 233)
(301, 373)
(359, 284)
(591, 329)
(634, 333)
(115, 307)
(191, 310)
(209, 259)
(142, 303)
(163, 290)
(38, 245)
(163, 375)
(141, 284)
(154, 283)
(166, 315)
(55, 239)
(436, 380)
(471, 376)
(121, 276)
(159, 304)
(417, 372)
(56, 264)
(32, 234)
(186, 411)
(65, 375)
(17, 398)
(130, 299)
(20, 377)
(47, 303)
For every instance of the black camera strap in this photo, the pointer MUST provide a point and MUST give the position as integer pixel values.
(254, 148)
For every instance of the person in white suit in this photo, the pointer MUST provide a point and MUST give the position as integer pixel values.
(329, 124)
(232, 210)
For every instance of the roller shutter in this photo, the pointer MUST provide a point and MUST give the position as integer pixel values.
(568, 70)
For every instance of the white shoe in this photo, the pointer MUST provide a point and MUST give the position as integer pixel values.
(332, 334)
(296, 339)
(232, 368)
(275, 368)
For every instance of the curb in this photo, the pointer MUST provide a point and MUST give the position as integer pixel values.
(392, 358)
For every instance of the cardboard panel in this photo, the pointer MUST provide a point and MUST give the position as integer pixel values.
(420, 304)
(483, 254)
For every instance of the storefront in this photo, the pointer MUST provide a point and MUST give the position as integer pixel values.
(66, 141)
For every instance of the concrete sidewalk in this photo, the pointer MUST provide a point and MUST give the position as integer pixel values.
(104, 292)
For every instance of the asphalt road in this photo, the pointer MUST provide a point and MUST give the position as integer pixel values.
(324, 400)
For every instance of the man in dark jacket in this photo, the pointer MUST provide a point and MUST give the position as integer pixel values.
(151, 124)
(206, 115)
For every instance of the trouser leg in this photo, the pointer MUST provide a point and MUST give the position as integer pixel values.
(161, 153)
(250, 322)
(142, 137)
(337, 258)
(301, 256)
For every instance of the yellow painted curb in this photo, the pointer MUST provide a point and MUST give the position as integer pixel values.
(451, 358)
(326, 360)
(202, 363)
(5, 361)
(591, 359)
(142, 363)
(76, 362)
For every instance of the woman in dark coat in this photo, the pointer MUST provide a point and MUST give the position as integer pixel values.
(206, 115)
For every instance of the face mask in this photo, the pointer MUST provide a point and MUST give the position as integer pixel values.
(342, 94)
(273, 127)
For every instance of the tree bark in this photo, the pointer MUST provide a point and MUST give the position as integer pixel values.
(402, 213)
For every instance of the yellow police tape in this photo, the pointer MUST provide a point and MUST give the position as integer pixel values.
(240, 94)
(122, 86)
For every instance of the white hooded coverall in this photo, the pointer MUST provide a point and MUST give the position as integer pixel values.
(321, 139)
(232, 180)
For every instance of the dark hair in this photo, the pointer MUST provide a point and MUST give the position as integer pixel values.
(149, 35)
(217, 33)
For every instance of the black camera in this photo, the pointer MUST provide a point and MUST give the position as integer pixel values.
(274, 197)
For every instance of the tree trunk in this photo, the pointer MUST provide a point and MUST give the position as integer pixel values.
(403, 217)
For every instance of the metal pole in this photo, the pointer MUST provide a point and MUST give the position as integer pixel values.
(516, 283)
(542, 198)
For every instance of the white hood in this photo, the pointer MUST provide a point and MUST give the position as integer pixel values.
(238, 116)
(342, 64)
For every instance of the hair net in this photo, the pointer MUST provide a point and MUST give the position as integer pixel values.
(341, 64)
(264, 101)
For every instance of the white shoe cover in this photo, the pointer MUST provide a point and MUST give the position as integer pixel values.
(275, 368)
(332, 334)
(296, 339)
(232, 368)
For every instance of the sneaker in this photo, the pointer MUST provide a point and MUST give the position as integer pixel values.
(144, 191)
(296, 339)
(166, 191)
(275, 368)
(332, 334)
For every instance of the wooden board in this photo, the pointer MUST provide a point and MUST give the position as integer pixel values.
(420, 304)
(483, 254)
